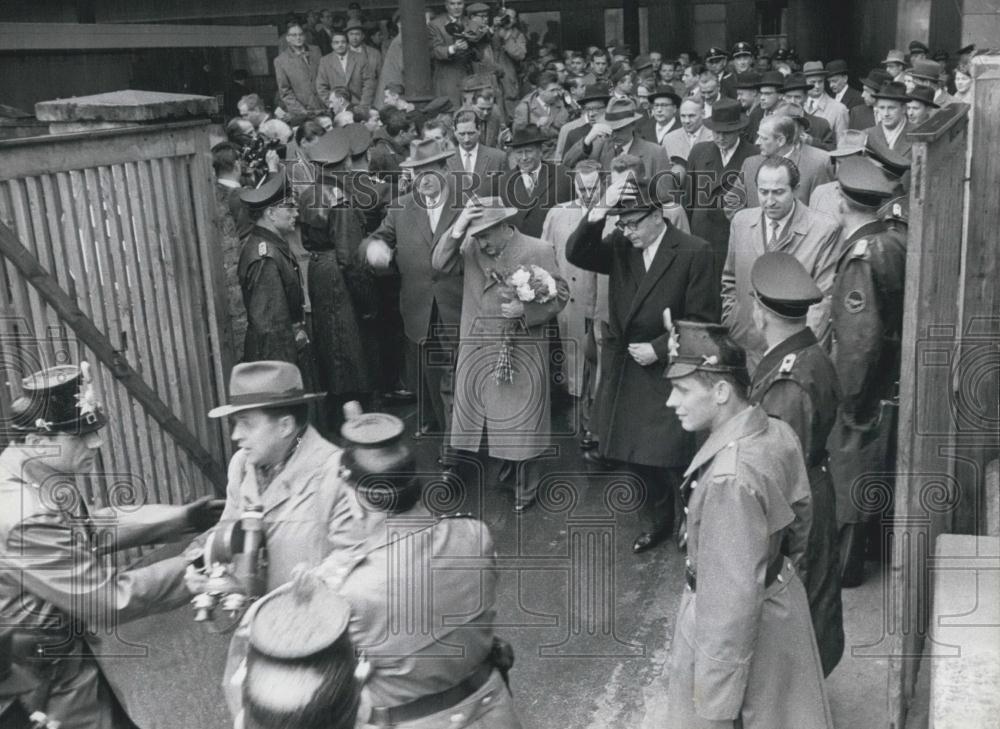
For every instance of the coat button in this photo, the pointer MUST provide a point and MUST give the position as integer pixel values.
(694, 484)
(455, 718)
(487, 700)
(685, 510)
(687, 562)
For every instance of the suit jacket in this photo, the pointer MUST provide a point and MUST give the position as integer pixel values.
(654, 157)
(323, 39)
(449, 70)
(296, 77)
(861, 117)
(851, 98)
(358, 79)
(833, 112)
(407, 228)
(490, 164)
(902, 146)
(814, 170)
(554, 185)
(809, 236)
(647, 130)
(682, 278)
(677, 145)
(707, 181)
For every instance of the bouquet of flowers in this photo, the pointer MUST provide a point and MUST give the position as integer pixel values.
(527, 284)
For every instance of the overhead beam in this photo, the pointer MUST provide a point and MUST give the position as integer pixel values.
(106, 36)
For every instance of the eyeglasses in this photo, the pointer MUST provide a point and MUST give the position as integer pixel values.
(632, 225)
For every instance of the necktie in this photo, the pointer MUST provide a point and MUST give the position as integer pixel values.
(343, 63)
(772, 242)
(468, 161)
(810, 106)
(618, 149)
(529, 182)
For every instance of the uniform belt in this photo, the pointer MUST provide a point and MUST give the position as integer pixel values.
(433, 703)
(773, 570)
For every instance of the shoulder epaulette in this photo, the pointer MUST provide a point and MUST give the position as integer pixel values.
(262, 249)
(724, 463)
(787, 364)
(860, 248)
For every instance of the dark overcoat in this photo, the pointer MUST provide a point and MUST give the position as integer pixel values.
(553, 185)
(631, 418)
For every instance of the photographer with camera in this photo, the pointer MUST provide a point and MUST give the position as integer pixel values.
(448, 51)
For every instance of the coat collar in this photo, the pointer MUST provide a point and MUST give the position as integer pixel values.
(647, 280)
(296, 477)
(749, 422)
(774, 357)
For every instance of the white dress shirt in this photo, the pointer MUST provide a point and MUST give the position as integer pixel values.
(434, 207)
(649, 252)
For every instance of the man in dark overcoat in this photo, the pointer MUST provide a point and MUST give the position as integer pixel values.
(532, 186)
(652, 266)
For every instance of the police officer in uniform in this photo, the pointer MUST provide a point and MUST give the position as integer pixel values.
(867, 313)
(796, 383)
(270, 280)
(743, 652)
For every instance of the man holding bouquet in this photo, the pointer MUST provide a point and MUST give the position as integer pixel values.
(511, 290)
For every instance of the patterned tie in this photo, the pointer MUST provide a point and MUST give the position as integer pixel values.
(772, 242)
(468, 161)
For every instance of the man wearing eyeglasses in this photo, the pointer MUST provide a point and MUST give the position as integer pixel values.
(652, 266)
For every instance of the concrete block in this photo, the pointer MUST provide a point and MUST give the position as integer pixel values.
(965, 633)
(127, 106)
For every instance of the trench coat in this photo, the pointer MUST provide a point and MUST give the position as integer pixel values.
(742, 649)
(516, 416)
(631, 419)
(797, 383)
(53, 586)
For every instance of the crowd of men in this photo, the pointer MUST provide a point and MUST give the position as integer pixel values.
(710, 246)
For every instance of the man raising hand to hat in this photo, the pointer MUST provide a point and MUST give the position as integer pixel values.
(652, 266)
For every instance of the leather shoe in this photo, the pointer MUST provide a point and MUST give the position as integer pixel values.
(588, 442)
(596, 459)
(648, 540)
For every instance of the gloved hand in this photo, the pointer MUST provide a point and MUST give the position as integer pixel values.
(204, 513)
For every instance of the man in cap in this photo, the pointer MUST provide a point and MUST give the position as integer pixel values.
(821, 104)
(927, 75)
(780, 135)
(651, 266)
(679, 142)
(270, 279)
(895, 65)
(507, 411)
(476, 165)
(780, 223)
(617, 135)
(892, 127)
(713, 169)
(818, 131)
(862, 117)
(918, 52)
(743, 650)
(430, 303)
(797, 384)
(716, 61)
(59, 584)
(743, 58)
(532, 186)
(449, 52)
(837, 79)
(543, 108)
(825, 198)
(867, 324)
(664, 103)
(342, 68)
(295, 70)
(593, 104)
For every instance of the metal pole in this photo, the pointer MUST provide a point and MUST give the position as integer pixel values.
(416, 48)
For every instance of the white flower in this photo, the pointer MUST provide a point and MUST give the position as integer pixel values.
(520, 278)
(525, 292)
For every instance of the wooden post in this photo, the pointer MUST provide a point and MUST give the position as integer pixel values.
(416, 48)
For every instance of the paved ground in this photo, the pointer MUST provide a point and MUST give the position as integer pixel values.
(590, 622)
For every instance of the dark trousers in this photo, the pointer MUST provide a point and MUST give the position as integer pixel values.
(431, 372)
(660, 486)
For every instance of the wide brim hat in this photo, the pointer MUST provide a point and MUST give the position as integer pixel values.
(925, 96)
(895, 56)
(262, 385)
(814, 68)
(426, 152)
(665, 92)
(836, 67)
(928, 70)
(893, 91)
(58, 399)
(354, 25)
(875, 79)
(621, 113)
(772, 78)
(595, 92)
(527, 135)
(796, 82)
(494, 213)
(727, 116)
(748, 81)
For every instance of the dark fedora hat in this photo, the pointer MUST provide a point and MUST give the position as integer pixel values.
(928, 70)
(727, 116)
(836, 67)
(876, 78)
(527, 135)
(924, 95)
(796, 82)
(772, 78)
(665, 92)
(58, 400)
(595, 92)
(893, 91)
(748, 80)
(264, 384)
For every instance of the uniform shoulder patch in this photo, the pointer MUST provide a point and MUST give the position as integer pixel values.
(262, 248)
(860, 248)
(855, 301)
(724, 463)
(786, 364)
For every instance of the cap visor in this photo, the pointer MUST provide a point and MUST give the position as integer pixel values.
(679, 370)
